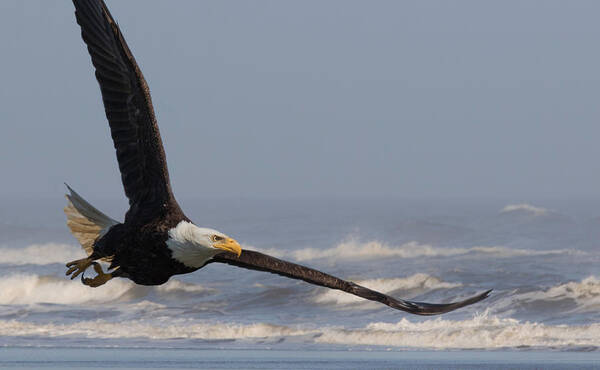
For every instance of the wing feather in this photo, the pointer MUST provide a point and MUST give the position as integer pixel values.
(261, 262)
(128, 108)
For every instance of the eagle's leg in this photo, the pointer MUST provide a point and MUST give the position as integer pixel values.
(100, 279)
(78, 266)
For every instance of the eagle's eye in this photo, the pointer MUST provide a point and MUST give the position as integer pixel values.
(216, 238)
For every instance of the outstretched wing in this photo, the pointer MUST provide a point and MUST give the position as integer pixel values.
(128, 109)
(261, 262)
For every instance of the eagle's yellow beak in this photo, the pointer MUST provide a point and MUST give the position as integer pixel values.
(229, 245)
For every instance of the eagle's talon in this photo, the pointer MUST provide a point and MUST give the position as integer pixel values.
(100, 279)
(78, 266)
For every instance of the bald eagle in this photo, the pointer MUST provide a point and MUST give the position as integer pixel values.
(157, 240)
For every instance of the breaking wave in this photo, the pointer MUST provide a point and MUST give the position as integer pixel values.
(176, 286)
(479, 332)
(29, 289)
(34, 289)
(412, 285)
(355, 249)
(585, 292)
(140, 329)
(526, 208)
(44, 254)
(584, 297)
(41, 254)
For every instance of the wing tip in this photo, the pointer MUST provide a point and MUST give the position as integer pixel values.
(429, 309)
(477, 298)
(71, 191)
(486, 294)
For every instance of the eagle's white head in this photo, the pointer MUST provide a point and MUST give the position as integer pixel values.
(194, 246)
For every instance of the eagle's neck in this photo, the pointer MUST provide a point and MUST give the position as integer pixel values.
(190, 245)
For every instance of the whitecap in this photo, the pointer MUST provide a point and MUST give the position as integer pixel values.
(526, 208)
(36, 289)
(585, 295)
(41, 254)
(482, 331)
(354, 249)
(166, 328)
(31, 288)
(175, 286)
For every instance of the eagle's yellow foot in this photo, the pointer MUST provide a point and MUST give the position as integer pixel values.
(78, 266)
(100, 279)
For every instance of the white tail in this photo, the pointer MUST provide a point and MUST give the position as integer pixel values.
(86, 222)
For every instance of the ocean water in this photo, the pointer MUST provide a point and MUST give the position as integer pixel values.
(540, 257)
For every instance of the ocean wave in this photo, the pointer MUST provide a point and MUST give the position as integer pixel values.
(160, 329)
(179, 287)
(526, 208)
(586, 291)
(479, 332)
(354, 249)
(412, 285)
(30, 289)
(584, 295)
(35, 289)
(41, 254)
(49, 253)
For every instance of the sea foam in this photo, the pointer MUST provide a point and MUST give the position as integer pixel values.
(526, 208)
(482, 331)
(49, 253)
(584, 295)
(35, 289)
(41, 254)
(160, 329)
(585, 292)
(354, 249)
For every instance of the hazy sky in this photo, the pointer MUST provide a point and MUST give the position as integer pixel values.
(404, 98)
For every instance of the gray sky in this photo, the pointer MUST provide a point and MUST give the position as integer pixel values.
(417, 99)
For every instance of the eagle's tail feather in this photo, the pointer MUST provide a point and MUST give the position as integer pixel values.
(85, 221)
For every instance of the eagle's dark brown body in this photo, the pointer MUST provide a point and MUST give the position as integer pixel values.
(140, 254)
(138, 248)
